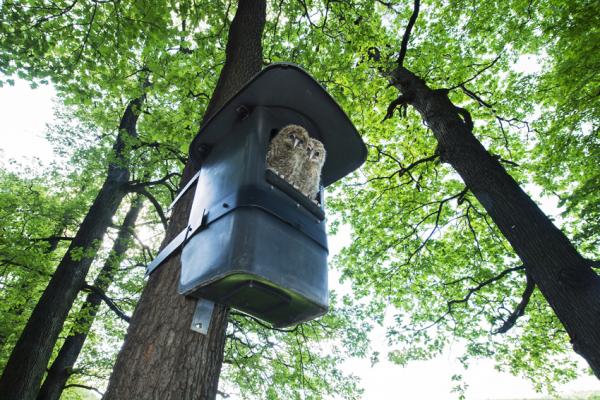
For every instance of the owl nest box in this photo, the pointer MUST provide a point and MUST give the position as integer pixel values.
(254, 242)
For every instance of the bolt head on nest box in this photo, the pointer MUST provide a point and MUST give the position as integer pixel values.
(262, 245)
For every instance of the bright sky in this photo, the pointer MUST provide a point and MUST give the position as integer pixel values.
(24, 114)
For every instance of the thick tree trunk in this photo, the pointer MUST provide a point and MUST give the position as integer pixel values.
(563, 276)
(28, 361)
(162, 358)
(61, 368)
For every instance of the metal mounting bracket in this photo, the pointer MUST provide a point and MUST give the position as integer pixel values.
(184, 190)
(202, 316)
(176, 243)
(195, 222)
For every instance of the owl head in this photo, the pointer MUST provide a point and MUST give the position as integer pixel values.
(292, 136)
(316, 152)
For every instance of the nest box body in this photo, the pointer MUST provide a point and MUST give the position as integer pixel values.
(256, 243)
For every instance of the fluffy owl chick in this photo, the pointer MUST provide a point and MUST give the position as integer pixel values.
(287, 152)
(310, 174)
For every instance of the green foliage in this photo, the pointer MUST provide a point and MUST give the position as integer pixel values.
(423, 251)
(568, 152)
(303, 362)
(39, 214)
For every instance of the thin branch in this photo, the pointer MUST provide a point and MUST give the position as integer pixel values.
(156, 204)
(481, 71)
(503, 160)
(162, 146)
(109, 302)
(471, 291)
(60, 14)
(510, 121)
(406, 37)
(388, 5)
(136, 185)
(401, 171)
(78, 385)
(52, 239)
(483, 284)
(475, 97)
(87, 35)
(520, 310)
(472, 229)
(259, 322)
(401, 102)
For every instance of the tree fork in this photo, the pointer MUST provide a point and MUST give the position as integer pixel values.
(162, 358)
(60, 370)
(25, 368)
(564, 277)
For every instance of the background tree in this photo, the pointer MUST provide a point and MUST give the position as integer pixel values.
(38, 220)
(433, 231)
(62, 366)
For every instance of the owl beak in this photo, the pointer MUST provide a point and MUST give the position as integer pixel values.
(296, 141)
(310, 154)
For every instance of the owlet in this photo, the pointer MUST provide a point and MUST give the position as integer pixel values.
(287, 152)
(310, 174)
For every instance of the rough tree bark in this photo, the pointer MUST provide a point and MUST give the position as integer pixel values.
(62, 367)
(27, 363)
(564, 277)
(161, 357)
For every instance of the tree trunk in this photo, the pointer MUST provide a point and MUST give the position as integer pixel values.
(162, 358)
(563, 276)
(28, 361)
(61, 368)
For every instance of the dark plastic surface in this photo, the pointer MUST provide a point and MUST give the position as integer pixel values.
(287, 87)
(263, 249)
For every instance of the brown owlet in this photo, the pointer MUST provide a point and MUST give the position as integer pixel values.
(310, 174)
(287, 152)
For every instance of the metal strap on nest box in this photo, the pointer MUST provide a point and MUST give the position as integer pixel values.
(204, 308)
(179, 240)
(195, 222)
(184, 190)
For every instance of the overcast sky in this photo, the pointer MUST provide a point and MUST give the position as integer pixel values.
(24, 114)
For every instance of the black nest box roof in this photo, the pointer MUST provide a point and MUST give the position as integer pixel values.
(285, 85)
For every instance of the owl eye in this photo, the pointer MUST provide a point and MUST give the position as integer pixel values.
(301, 141)
(291, 136)
(316, 153)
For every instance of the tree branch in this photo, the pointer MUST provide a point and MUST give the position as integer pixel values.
(388, 5)
(78, 385)
(483, 284)
(134, 186)
(163, 146)
(520, 310)
(109, 302)
(156, 204)
(471, 291)
(406, 37)
(488, 66)
(403, 170)
(475, 97)
(52, 239)
(53, 16)
(400, 102)
(87, 35)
